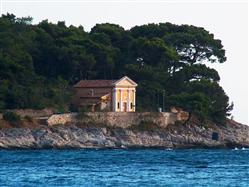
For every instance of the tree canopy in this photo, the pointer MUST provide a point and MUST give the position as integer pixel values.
(40, 63)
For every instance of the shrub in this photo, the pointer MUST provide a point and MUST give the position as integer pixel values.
(13, 118)
(28, 118)
(60, 109)
(73, 108)
(82, 112)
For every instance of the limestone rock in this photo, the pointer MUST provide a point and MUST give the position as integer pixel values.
(173, 136)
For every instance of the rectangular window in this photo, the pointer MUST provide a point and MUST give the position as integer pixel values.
(131, 105)
(118, 105)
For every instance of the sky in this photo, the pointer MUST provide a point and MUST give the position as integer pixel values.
(227, 20)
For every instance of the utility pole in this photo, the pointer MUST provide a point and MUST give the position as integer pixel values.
(158, 99)
(163, 100)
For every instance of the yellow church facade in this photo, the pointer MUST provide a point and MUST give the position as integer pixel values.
(107, 95)
(124, 95)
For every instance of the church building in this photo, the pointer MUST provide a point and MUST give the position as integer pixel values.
(106, 95)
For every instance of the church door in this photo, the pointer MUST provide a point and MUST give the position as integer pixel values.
(125, 106)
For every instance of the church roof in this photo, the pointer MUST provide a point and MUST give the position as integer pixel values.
(94, 83)
(102, 83)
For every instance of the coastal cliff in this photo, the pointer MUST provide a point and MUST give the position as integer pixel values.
(77, 135)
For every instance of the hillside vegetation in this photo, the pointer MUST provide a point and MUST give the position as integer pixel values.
(40, 63)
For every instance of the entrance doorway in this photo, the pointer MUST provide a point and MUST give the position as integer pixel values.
(124, 106)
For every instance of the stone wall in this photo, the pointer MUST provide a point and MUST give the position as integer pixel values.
(32, 113)
(115, 119)
(61, 119)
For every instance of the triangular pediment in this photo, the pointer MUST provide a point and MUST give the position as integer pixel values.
(125, 81)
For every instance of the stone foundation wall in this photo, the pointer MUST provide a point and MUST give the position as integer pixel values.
(57, 119)
(32, 113)
(115, 119)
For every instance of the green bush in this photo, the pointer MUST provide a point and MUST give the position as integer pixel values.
(73, 108)
(60, 109)
(13, 118)
(28, 118)
(82, 113)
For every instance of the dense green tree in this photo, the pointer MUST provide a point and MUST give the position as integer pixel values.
(219, 106)
(195, 103)
(40, 63)
(193, 44)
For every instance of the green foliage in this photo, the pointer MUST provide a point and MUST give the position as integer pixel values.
(13, 118)
(196, 103)
(73, 108)
(28, 118)
(82, 112)
(40, 63)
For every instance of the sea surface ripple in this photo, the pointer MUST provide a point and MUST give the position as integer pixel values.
(119, 167)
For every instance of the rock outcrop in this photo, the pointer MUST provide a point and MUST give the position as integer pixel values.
(190, 135)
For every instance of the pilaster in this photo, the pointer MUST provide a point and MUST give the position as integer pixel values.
(121, 100)
(128, 100)
(114, 102)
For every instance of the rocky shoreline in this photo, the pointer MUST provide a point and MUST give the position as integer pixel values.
(76, 136)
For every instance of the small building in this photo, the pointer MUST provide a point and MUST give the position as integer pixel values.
(106, 95)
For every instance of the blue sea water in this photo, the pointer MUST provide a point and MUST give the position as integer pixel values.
(141, 167)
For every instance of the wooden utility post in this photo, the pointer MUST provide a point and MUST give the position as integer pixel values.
(163, 100)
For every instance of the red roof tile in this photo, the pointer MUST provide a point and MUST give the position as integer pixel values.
(94, 83)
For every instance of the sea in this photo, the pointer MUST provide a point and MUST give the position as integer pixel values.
(124, 167)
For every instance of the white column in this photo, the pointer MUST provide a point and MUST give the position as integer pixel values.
(121, 100)
(128, 100)
(114, 103)
(134, 100)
